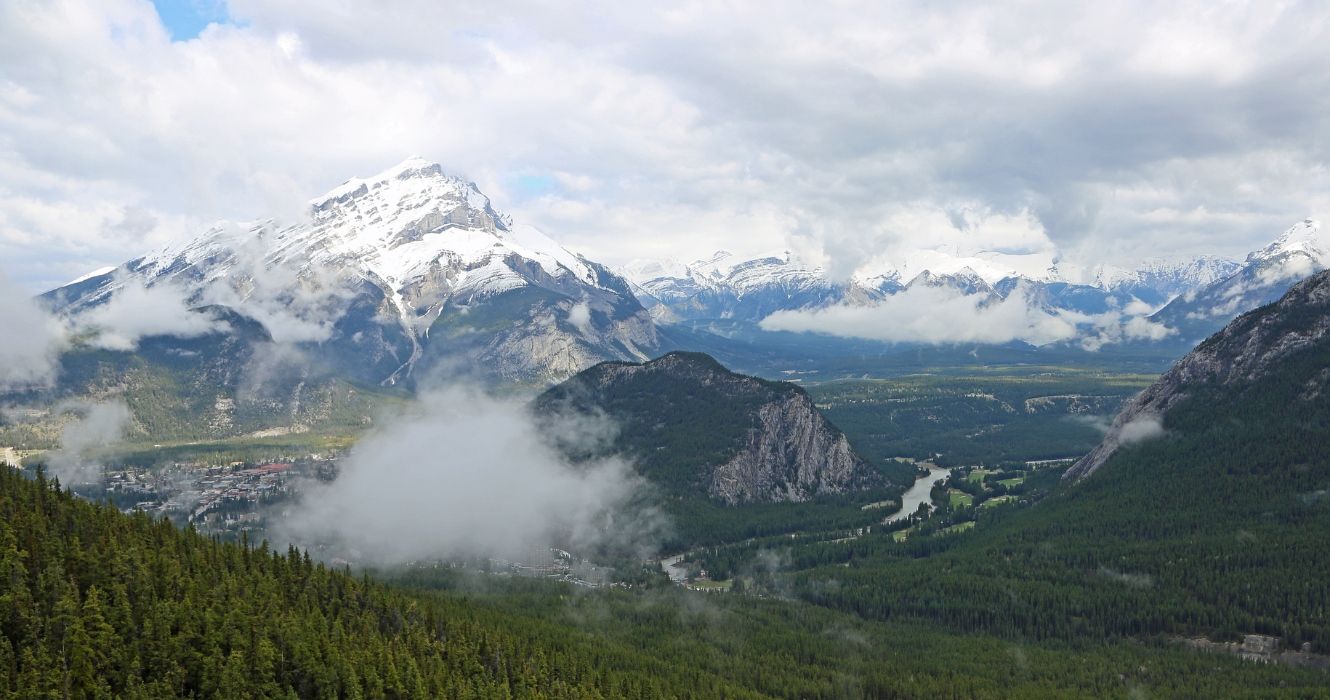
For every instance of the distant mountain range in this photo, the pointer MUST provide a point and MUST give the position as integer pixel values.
(724, 287)
(413, 273)
(727, 287)
(1190, 297)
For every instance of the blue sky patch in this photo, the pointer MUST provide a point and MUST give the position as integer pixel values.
(185, 19)
(534, 185)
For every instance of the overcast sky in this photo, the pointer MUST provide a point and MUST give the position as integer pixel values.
(1109, 131)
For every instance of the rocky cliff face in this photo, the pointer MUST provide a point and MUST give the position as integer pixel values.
(696, 428)
(792, 454)
(1243, 352)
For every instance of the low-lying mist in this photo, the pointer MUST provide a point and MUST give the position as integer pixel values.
(93, 427)
(464, 474)
(30, 340)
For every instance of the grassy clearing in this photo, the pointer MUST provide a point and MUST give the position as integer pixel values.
(997, 501)
(229, 449)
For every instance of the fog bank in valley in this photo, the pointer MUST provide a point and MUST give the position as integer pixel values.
(464, 474)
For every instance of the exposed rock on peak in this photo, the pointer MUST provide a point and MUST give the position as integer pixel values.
(411, 268)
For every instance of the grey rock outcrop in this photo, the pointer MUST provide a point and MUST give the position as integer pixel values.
(792, 455)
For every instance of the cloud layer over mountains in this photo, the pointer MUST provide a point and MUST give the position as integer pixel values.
(1109, 132)
(944, 316)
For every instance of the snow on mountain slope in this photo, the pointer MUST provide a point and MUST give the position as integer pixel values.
(1305, 238)
(391, 260)
(1189, 297)
(1263, 277)
(724, 286)
(990, 266)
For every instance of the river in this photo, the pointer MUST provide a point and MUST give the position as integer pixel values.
(919, 493)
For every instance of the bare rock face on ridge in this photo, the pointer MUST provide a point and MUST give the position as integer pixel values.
(695, 428)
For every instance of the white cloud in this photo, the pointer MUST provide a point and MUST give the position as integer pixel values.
(580, 316)
(1139, 429)
(1113, 131)
(469, 475)
(1293, 268)
(90, 428)
(933, 315)
(1136, 307)
(1141, 328)
(30, 340)
(946, 316)
(1112, 327)
(294, 304)
(135, 312)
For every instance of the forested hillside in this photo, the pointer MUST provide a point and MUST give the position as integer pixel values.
(94, 603)
(729, 456)
(1215, 522)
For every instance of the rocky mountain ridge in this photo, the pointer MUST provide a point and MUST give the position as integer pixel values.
(693, 426)
(1243, 352)
(1262, 278)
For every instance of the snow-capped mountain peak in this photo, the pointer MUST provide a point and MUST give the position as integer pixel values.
(413, 167)
(413, 218)
(419, 245)
(1304, 237)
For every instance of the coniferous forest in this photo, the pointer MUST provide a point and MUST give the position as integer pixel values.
(95, 603)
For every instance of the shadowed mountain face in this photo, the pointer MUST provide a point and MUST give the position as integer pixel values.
(231, 381)
(695, 428)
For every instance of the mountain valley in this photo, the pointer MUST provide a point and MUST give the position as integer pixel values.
(845, 500)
